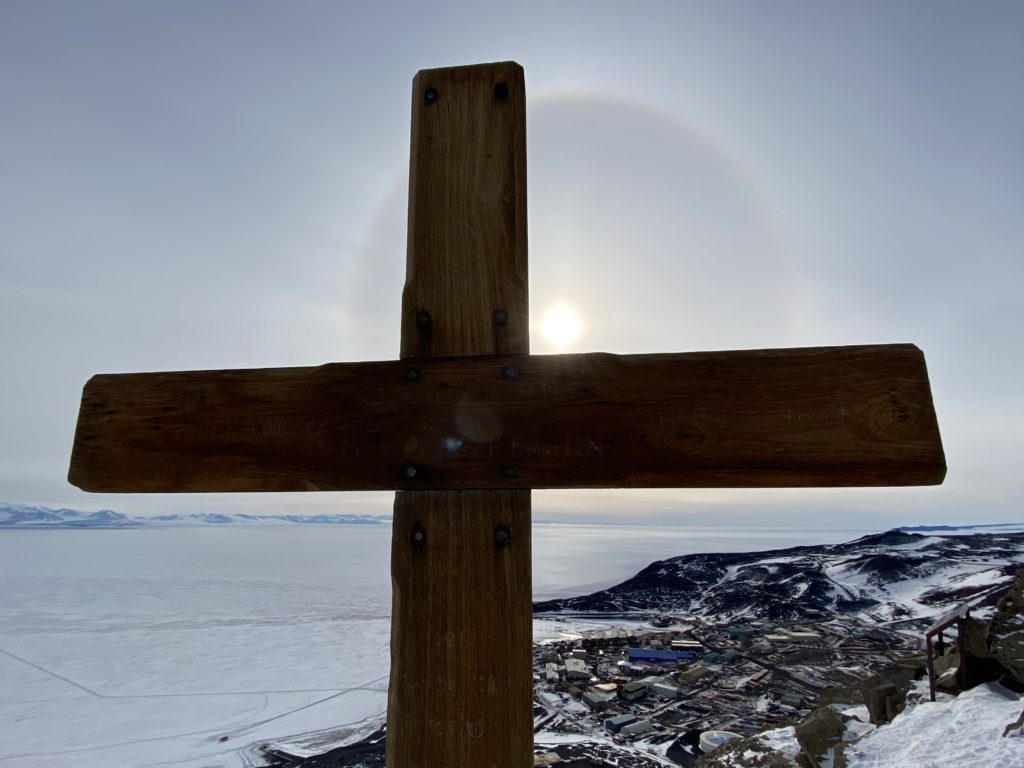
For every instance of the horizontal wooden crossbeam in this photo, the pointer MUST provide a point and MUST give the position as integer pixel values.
(831, 416)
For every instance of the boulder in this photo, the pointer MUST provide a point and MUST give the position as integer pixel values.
(837, 694)
(1005, 637)
(900, 675)
(750, 752)
(839, 755)
(947, 682)
(876, 699)
(891, 683)
(979, 664)
(1009, 682)
(950, 661)
(973, 640)
(819, 733)
(895, 704)
(916, 660)
(968, 664)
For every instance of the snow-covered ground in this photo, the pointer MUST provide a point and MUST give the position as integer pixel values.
(952, 732)
(964, 731)
(147, 646)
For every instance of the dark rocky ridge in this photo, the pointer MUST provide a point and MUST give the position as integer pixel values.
(889, 576)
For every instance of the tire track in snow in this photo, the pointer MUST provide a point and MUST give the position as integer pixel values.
(205, 732)
(51, 673)
(185, 694)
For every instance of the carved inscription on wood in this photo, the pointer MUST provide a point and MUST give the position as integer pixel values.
(797, 417)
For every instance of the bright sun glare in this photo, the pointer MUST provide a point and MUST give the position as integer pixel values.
(561, 326)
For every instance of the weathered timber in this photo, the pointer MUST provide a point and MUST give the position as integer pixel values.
(461, 630)
(830, 416)
(461, 691)
(466, 258)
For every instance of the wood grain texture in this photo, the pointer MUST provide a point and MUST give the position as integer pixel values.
(834, 416)
(461, 631)
(467, 250)
(461, 691)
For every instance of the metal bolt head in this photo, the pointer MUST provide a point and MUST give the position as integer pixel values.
(510, 372)
(502, 535)
(500, 317)
(413, 374)
(422, 319)
(410, 472)
(510, 472)
(419, 536)
(430, 96)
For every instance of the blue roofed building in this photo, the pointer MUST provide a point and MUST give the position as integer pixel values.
(615, 724)
(657, 655)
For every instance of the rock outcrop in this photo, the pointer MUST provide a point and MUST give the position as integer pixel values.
(1005, 636)
(819, 735)
(885, 693)
(979, 663)
(836, 694)
(751, 752)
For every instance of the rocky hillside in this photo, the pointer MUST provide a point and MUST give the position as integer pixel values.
(883, 577)
(889, 719)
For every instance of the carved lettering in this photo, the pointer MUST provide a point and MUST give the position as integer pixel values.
(571, 447)
(474, 729)
(818, 416)
(262, 426)
(481, 683)
(535, 391)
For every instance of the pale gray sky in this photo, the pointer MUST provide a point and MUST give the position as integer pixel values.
(188, 185)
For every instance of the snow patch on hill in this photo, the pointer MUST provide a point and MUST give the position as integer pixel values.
(27, 516)
(890, 577)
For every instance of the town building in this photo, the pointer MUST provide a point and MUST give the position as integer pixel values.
(597, 700)
(655, 655)
(659, 686)
(616, 724)
(633, 690)
(637, 728)
(577, 669)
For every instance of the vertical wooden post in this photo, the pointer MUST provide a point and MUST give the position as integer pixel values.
(461, 677)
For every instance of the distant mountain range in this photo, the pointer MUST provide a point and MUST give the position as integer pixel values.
(24, 516)
(987, 527)
(890, 577)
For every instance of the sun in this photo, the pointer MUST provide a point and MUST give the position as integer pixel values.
(561, 326)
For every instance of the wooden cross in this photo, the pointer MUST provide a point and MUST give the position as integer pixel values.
(467, 422)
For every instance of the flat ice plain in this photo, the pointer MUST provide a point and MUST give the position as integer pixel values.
(146, 647)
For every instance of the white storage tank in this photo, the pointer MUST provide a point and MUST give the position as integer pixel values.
(712, 740)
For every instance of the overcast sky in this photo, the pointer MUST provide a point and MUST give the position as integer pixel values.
(223, 184)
